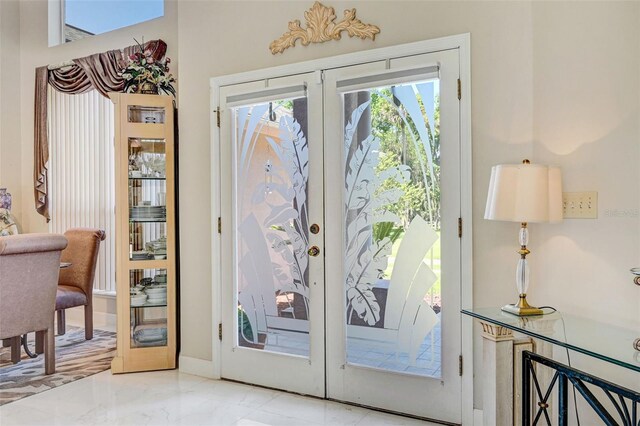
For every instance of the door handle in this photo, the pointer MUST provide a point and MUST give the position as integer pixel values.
(313, 251)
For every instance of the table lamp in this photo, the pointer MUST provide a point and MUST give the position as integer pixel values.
(524, 193)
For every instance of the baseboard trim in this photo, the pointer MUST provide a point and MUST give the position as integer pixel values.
(477, 417)
(101, 320)
(196, 366)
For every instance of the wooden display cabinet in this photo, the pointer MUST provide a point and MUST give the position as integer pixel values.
(146, 257)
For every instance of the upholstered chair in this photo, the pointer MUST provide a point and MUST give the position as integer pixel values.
(75, 286)
(29, 267)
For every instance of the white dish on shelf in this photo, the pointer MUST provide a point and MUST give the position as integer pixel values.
(162, 301)
(150, 335)
(136, 255)
(156, 289)
(139, 299)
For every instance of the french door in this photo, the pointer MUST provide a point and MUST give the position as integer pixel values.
(393, 270)
(271, 194)
(341, 260)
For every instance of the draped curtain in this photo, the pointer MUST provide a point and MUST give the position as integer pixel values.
(100, 71)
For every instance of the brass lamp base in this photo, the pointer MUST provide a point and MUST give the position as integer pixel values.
(522, 308)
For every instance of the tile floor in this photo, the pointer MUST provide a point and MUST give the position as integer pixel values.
(173, 398)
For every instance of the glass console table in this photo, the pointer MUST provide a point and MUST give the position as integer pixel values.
(584, 335)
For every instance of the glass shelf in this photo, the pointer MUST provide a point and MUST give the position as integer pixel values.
(145, 114)
(142, 220)
(585, 335)
(147, 178)
(150, 305)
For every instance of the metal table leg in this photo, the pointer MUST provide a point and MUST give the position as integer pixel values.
(26, 347)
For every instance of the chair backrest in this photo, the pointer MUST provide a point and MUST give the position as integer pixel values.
(29, 267)
(82, 253)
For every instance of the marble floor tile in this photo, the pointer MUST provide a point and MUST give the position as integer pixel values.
(173, 398)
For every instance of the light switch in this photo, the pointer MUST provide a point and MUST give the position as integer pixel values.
(580, 205)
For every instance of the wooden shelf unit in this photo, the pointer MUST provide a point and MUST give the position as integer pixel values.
(144, 136)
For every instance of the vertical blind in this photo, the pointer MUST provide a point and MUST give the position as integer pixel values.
(81, 163)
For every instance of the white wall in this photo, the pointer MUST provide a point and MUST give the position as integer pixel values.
(551, 81)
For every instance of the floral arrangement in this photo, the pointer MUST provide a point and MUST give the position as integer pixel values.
(144, 74)
(7, 223)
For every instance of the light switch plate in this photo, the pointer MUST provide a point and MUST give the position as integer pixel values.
(580, 205)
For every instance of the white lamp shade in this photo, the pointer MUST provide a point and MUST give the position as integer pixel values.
(524, 193)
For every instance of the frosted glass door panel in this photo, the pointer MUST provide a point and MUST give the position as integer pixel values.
(392, 228)
(271, 164)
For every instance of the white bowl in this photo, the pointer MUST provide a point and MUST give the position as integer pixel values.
(156, 290)
(138, 300)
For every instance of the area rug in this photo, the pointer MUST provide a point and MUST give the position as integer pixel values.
(76, 358)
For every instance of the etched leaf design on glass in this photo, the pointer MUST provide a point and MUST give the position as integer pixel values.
(284, 192)
(365, 205)
(363, 302)
(273, 168)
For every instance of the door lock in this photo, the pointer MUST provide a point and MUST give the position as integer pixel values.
(315, 228)
(313, 251)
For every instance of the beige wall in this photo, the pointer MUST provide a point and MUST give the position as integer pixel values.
(10, 161)
(30, 23)
(34, 52)
(554, 82)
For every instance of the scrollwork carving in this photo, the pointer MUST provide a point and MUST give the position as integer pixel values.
(321, 27)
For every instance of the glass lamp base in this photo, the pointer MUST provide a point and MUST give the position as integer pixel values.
(522, 308)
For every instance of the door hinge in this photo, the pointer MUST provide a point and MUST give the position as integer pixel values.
(220, 331)
(459, 94)
(219, 225)
(218, 114)
(459, 227)
(460, 365)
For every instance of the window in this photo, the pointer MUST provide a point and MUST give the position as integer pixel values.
(81, 179)
(83, 18)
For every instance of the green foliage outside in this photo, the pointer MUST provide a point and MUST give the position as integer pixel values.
(244, 326)
(398, 134)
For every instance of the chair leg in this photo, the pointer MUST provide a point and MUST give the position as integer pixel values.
(16, 349)
(88, 321)
(39, 342)
(61, 324)
(49, 351)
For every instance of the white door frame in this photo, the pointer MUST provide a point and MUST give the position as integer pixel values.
(461, 42)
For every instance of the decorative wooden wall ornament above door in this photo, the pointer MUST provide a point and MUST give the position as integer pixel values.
(321, 27)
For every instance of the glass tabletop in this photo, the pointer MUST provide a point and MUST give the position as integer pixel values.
(606, 342)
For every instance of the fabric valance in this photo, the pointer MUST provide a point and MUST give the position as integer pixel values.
(100, 71)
